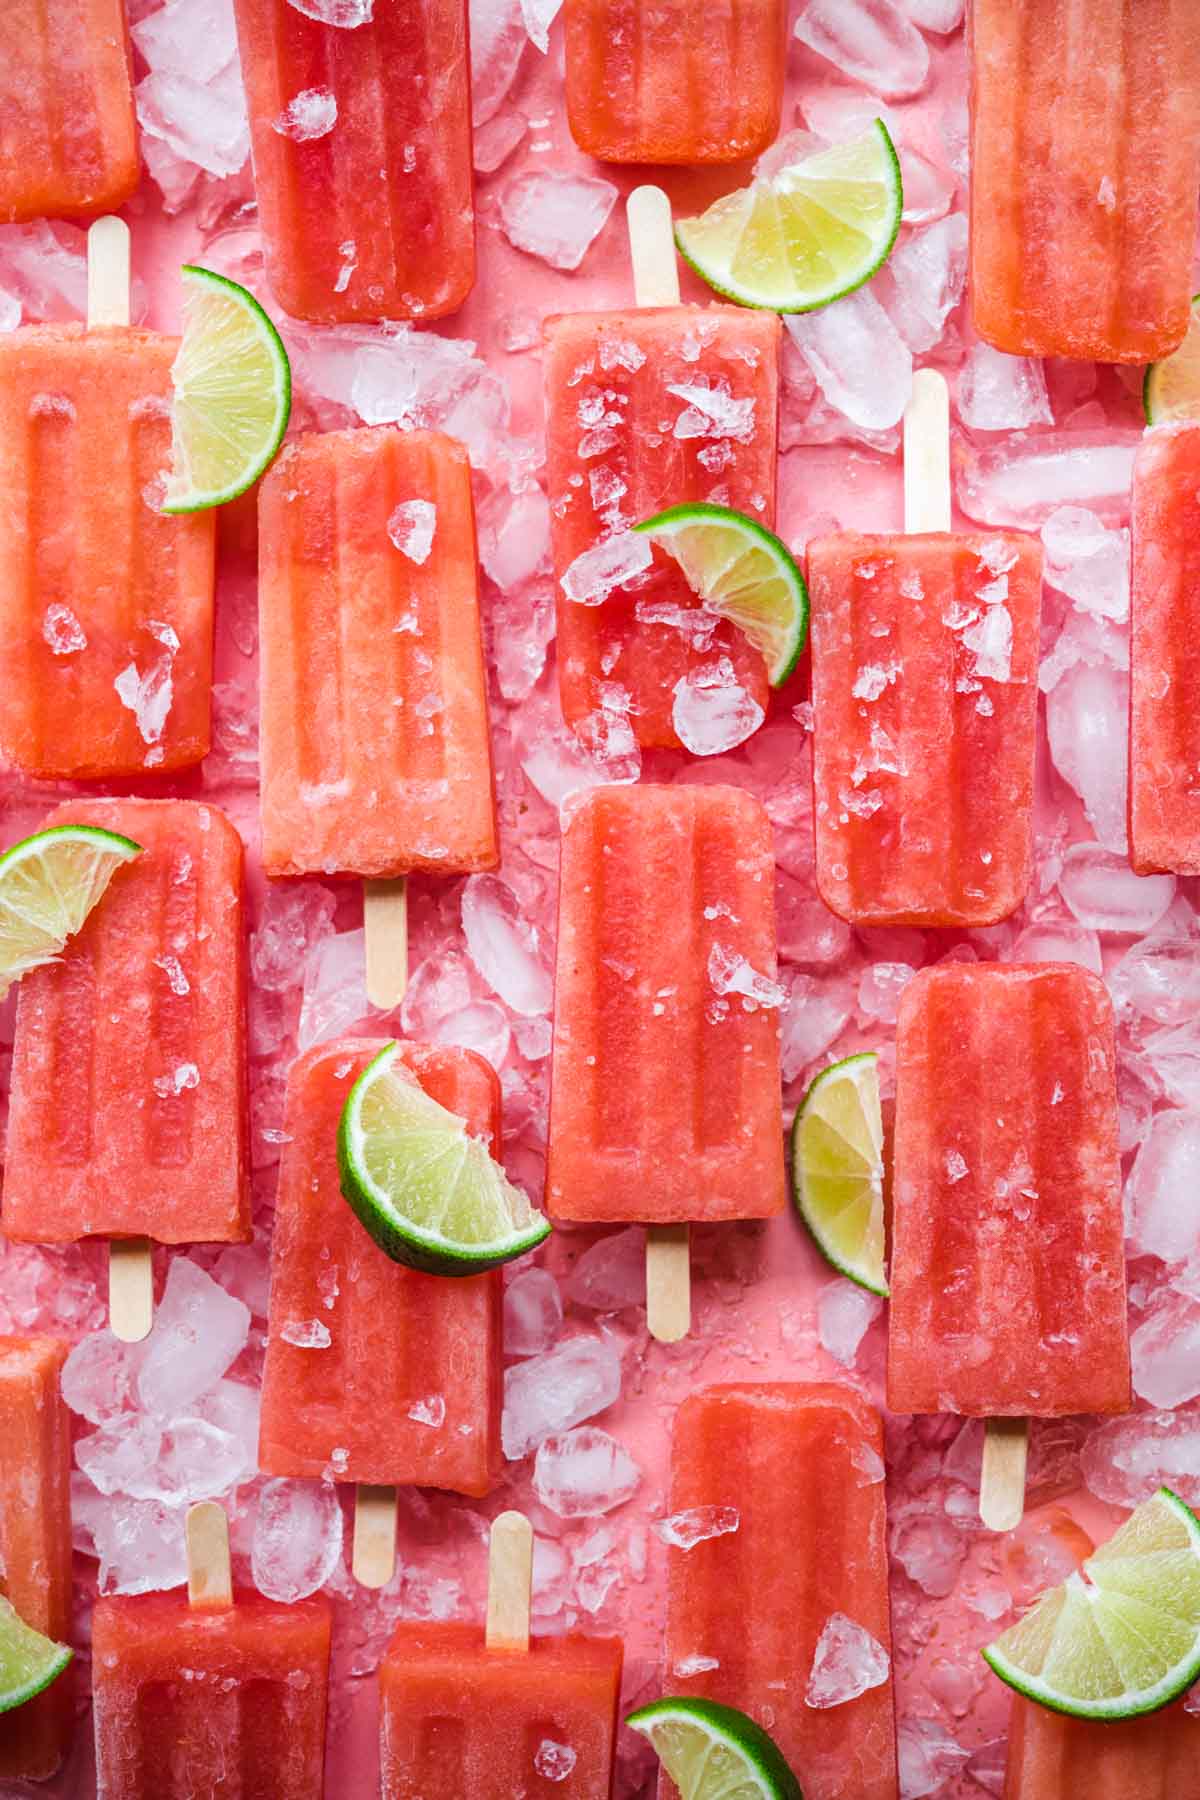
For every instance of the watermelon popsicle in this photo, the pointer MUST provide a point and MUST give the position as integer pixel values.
(361, 138)
(1164, 737)
(645, 410)
(127, 1113)
(68, 146)
(496, 1713)
(665, 1082)
(1008, 1264)
(376, 759)
(677, 84)
(375, 1373)
(1085, 161)
(106, 604)
(35, 1540)
(1053, 1757)
(924, 659)
(218, 1694)
(777, 1553)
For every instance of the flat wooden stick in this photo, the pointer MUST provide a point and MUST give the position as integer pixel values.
(374, 1556)
(385, 919)
(1002, 1483)
(510, 1580)
(130, 1288)
(927, 454)
(652, 248)
(108, 272)
(210, 1582)
(668, 1282)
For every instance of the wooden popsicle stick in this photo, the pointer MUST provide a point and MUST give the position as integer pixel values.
(668, 1282)
(510, 1581)
(1002, 1482)
(373, 1558)
(108, 272)
(927, 454)
(385, 920)
(130, 1288)
(210, 1582)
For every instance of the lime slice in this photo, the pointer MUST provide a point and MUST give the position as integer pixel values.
(742, 572)
(714, 1752)
(29, 1662)
(49, 884)
(837, 1169)
(1171, 389)
(798, 239)
(233, 394)
(1121, 1636)
(426, 1190)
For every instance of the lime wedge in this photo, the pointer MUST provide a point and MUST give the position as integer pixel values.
(798, 239)
(837, 1169)
(1171, 389)
(427, 1191)
(233, 394)
(743, 573)
(1121, 1636)
(49, 884)
(29, 1662)
(714, 1752)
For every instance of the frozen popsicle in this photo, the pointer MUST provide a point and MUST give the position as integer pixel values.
(665, 1096)
(1085, 161)
(376, 759)
(680, 83)
(375, 1373)
(776, 1531)
(67, 142)
(218, 1695)
(1164, 667)
(35, 1540)
(649, 409)
(106, 604)
(1053, 1757)
(496, 1713)
(1008, 1266)
(361, 138)
(127, 1105)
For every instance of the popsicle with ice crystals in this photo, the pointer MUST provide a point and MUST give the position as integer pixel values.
(496, 1713)
(1008, 1264)
(35, 1540)
(665, 1084)
(777, 1576)
(648, 409)
(924, 658)
(1085, 161)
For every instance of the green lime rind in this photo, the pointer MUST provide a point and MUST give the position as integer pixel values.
(1171, 386)
(837, 1169)
(715, 1752)
(842, 226)
(429, 1193)
(29, 1661)
(232, 394)
(1121, 1637)
(741, 572)
(49, 884)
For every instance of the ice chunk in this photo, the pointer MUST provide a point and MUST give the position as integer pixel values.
(514, 536)
(1023, 480)
(930, 1551)
(98, 1376)
(554, 1761)
(1165, 1350)
(1087, 561)
(923, 281)
(1050, 940)
(858, 358)
(1087, 720)
(202, 121)
(697, 1525)
(869, 40)
(296, 915)
(847, 1661)
(139, 1543)
(532, 1313)
(504, 946)
(297, 1540)
(567, 1386)
(346, 14)
(62, 630)
(411, 528)
(711, 711)
(1127, 1460)
(498, 38)
(942, 16)
(1164, 1190)
(176, 1463)
(997, 392)
(594, 574)
(197, 38)
(813, 1019)
(539, 16)
(845, 1312)
(199, 1331)
(1105, 895)
(712, 411)
(335, 988)
(495, 141)
(555, 216)
(928, 1757)
(147, 695)
(611, 1273)
(732, 974)
(581, 1474)
(880, 987)
(310, 114)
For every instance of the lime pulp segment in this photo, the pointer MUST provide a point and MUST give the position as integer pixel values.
(1171, 388)
(837, 1169)
(49, 883)
(715, 1752)
(29, 1662)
